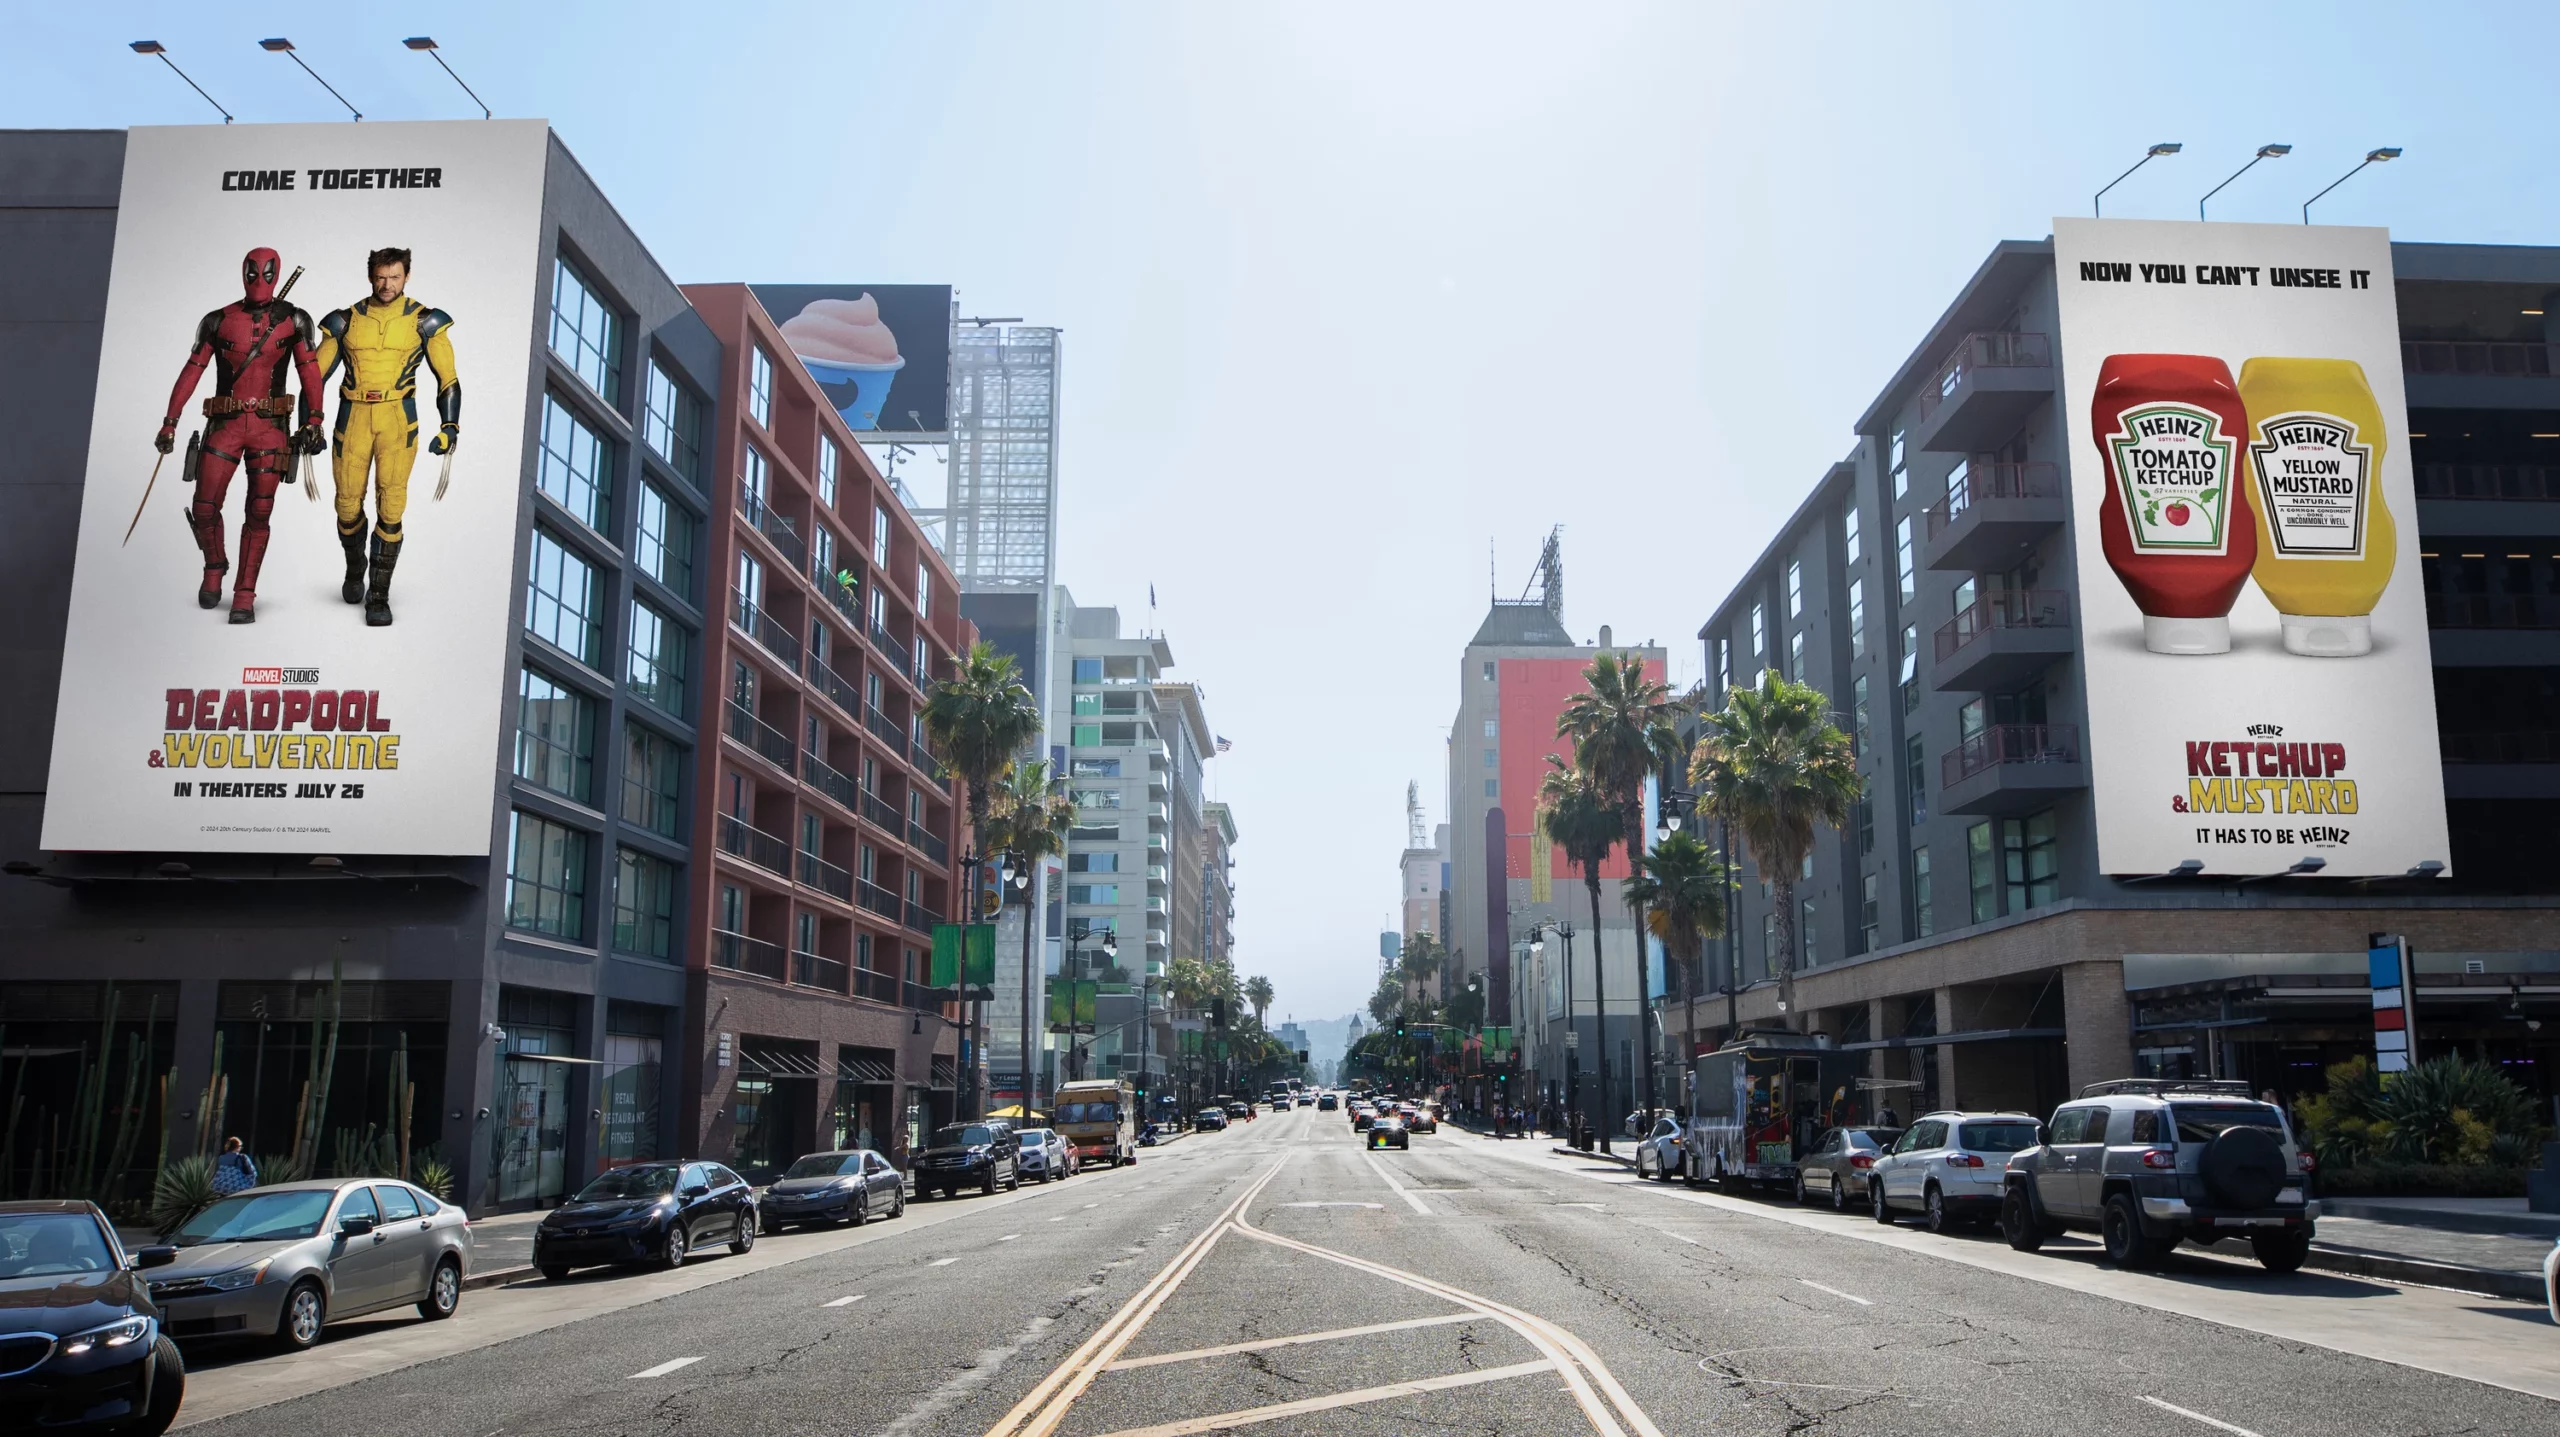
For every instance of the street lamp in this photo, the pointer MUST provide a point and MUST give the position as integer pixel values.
(2372, 157)
(427, 45)
(154, 47)
(2265, 152)
(2155, 152)
(279, 45)
(1572, 1032)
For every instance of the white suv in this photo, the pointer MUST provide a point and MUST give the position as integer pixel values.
(1948, 1167)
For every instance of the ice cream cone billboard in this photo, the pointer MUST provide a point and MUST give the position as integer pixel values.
(297, 550)
(881, 352)
(2261, 694)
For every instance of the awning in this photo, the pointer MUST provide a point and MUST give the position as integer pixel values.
(776, 1062)
(1932, 1040)
(852, 1069)
(946, 1073)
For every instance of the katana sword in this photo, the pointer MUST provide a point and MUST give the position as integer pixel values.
(146, 498)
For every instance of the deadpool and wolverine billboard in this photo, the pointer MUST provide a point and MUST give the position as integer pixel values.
(288, 627)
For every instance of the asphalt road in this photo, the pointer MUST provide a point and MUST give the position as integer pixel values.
(1462, 1286)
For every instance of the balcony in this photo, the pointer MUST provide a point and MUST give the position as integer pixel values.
(2002, 641)
(882, 813)
(1158, 813)
(815, 772)
(2531, 482)
(1158, 875)
(884, 730)
(770, 634)
(771, 743)
(742, 954)
(1156, 906)
(784, 534)
(1156, 842)
(875, 898)
(811, 971)
(1984, 389)
(928, 842)
(835, 688)
(887, 643)
(2011, 769)
(878, 987)
(919, 754)
(920, 919)
(825, 877)
(765, 850)
(1992, 513)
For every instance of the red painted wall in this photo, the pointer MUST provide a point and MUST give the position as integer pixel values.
(1533, 693)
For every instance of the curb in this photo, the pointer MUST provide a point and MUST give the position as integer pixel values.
(496, 1277)
(2488, 1282)
(1624, 1162)
(2530, 1224)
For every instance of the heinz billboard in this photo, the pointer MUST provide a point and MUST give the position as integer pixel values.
(2261, 697)
(289, 606)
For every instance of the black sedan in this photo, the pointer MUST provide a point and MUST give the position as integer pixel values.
(653, 1213)
(984, 1156)
(848, 1186)
(83, 1349)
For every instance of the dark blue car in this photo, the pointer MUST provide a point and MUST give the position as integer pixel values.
(80, 1342)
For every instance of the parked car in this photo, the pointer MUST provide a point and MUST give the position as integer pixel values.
(1389, 1132)
(2146, 1162)
(2551, 1282)
(655, 1213)
(1659, 1152)
(285, 1260)
(1049, 1157)
(1949, 1167)
(985, 1156)
(844, 1186)
(1839, 1163)
(1327, 1102)
(87, 1349)
(1210, 1120)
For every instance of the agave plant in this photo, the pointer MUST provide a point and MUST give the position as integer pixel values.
(430, 1171)
(183, 1189)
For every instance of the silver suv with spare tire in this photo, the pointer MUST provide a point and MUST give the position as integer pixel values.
(2145, 1163)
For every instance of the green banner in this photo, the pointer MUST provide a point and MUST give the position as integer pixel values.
(964, 953)
(1087, 993)
(978, 970)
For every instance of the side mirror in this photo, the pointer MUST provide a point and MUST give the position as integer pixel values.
(695, 1190)
(159, 1256)
(355, 1225)
(2044, 1135)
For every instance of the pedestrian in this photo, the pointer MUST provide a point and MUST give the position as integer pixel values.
(1887, 1117)
(233, 1170)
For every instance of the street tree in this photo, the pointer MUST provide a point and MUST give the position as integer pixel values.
(1257, 991)
(1579, 816)
(1622, 729)
(975, 721)
(1680, 888)
(1031, 815)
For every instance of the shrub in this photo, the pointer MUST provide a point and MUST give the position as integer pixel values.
(430, 1171)
(2445, 1111)
(183, 1189)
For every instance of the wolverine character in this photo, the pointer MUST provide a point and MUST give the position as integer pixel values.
(382, 340)
(249, 343)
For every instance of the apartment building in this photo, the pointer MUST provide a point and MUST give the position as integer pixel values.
(1217, 883)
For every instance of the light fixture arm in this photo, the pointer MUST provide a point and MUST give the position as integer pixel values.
(2264, 152)
(162, 56)
(2374, 157)
(457, 79)
(2155, 152)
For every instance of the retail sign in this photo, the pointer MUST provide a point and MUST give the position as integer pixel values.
(241, 673)
(2395, 1035)
(882, 352)
(2260, 693)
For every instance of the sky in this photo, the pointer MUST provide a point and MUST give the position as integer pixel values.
(1360, 301)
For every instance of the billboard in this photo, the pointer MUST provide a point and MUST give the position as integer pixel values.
(289, 602)
(882, 352)
(2261, 698)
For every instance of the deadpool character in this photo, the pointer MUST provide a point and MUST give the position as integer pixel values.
(249, 343)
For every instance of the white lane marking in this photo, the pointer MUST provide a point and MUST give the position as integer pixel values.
(1398, 1188)
(845, 1301)
(1088, 1207)
(944, 1261)
(1333, 1204)
(1594, 1206)
(663, 1368)
(1835, 1292)
(1062, 1217)
(2214, 1422)
(1336, 1335)
(1693, 1242)
(1252, 1415)
(1008, 1237)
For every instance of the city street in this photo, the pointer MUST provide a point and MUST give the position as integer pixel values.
(1280, 1278)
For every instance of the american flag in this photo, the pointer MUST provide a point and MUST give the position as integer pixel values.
(1223, 745)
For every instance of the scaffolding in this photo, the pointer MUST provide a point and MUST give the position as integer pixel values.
(1002, 523)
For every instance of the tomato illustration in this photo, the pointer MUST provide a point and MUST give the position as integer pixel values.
(2178, 511)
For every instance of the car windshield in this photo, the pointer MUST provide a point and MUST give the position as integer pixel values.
(1996, 1137)
(52, 1244)
(623, 1184)
(963, 1135)
(1103, 1112)
(259, 1217)
(2203, 1122)
(826, 1165)
(1035, 1137)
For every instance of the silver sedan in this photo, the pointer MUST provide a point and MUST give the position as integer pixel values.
(284, 1261)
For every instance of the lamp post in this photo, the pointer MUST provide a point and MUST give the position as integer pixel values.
(1110, 950)
(2265, 152)
(1018, 876)
(1572, 1027)
(2155, 152)
(2372, 157)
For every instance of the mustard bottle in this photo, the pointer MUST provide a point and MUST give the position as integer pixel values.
(2326, 544)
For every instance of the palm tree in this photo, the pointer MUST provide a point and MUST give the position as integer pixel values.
(1622, 731)
(1579, 816)
(1774, 766)
(1257, 991)
(1032, 816)
(1680, 889)
(976, 721)
(1420, 961)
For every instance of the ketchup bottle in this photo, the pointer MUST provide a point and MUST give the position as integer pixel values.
(2176, 524)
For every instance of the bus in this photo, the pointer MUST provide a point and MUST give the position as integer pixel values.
(1099, 1118)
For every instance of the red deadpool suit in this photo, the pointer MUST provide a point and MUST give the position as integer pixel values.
(248, 343)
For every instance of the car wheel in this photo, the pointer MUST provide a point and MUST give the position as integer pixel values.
(1933, 1208)
(2120, 1227)
(168, 1390)
(2018, 1220)
(2281, 1251)
(306, 1311)
(444, 1292)
(1802, 1197)
(556, 1272)
(987, 1187)
(743, 1241)
(860, 1212)
(898, 1202)
(1839, 1194)
(673, 1254)
(1875, 1200)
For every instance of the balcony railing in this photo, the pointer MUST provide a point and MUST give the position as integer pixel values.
(835, 687)
(2493, 611)
(2505, 359)
(886, 643)
(825, 877)
(922, 757)
(815, 772)
(1998, 349)
(929, 841)
(875, 898)
(2011, 609)
(878, 987)
(1982, 479)
(2009, 743)
(774, 636)
(2508, 746)
(880, 811)
(743, 954)
(844, 600)
(764, 738)
(811, 971)
(774, 526)
(2488, 481)
(920, 918)
(764, 850)
(884, 730)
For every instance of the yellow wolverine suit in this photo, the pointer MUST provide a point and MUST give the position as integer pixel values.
(377, 429)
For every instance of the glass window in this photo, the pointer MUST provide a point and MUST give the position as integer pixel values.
(751, 481)
(1491, 727)
(575, 469)
(547, 877)
(1795, 589)
(879, 535)
(662, 541)
(1493, 758)
(398, 1203)
(585, 332)
(644, 904)
(1085, 735)
(563, 599)
(924, 592)
(658, 648)
(1980, 873)
(1915, 772)
(1868, 919)
(1493, 788)
(1893, 460)
(1805, 934)
(652, 770)
(1866, 823)
(1922, 919)
(1769, 941)
(1093, 863)
(2032, 859)
(829, 459)
(750, 585)
(1795, 658)
(1488, 671)
(1088, 671)
(672, 424)
(1759, 632)
(760, 387)
(1094, 833)
(1861, 715)
(1093, 893)
(1088, 704)
(555, 736)
(1849, 531)
(1095, 798)
(1857, 618)
(1904, 571)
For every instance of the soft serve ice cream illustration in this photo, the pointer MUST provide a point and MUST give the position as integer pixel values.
(843, 343)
